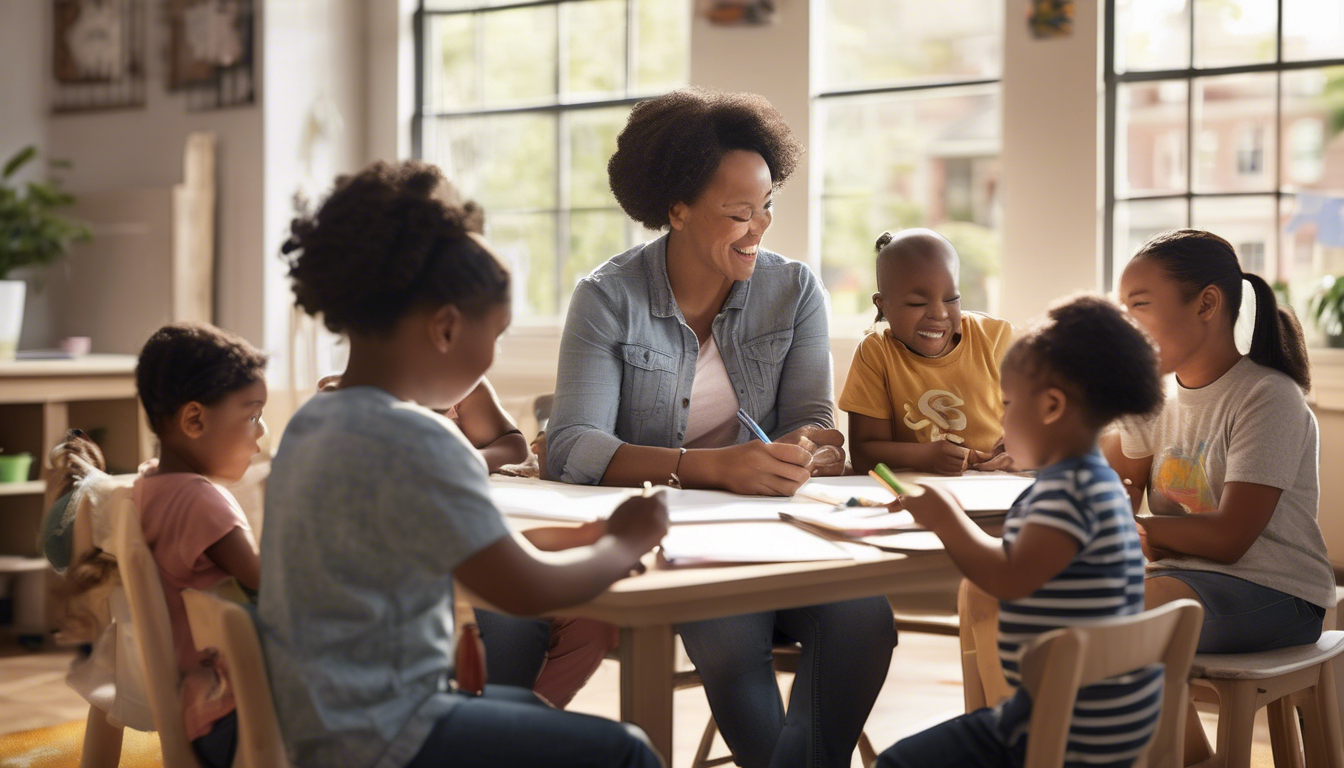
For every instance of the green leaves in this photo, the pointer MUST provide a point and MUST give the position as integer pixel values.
(31, 232)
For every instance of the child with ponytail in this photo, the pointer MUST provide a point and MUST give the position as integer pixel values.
(1230, 463)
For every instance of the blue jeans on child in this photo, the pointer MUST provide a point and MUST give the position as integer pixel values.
(1241, 616)
(511, 727)
(846, 651)
(969, 741)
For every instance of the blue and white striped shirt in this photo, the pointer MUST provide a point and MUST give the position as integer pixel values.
(1083, 497)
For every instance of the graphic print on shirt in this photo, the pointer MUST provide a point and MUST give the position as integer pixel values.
(1181, 480)
(937, 411)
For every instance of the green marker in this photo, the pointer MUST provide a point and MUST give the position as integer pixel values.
(883, 474)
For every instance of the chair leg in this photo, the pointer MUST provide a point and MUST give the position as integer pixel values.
(1197, 748)
(1284, 735)
(706, 742)
(1322, 721)
(867, 755)
(102, 741)
(1236, 720)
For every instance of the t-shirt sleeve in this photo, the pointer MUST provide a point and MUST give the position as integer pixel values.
(444, 511)
(865, 391)
(205, 515)
(1270, 431)
(1060, 508)
(1000, 333)
(1136, 435)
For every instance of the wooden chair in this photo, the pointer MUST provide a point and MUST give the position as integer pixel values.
(983, 682)
(1056, 664)
(227, 627)
(1286, 680)
(154, 636)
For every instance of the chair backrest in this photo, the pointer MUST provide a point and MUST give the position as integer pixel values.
(229, 628)
(154, 639)
(978, 612)
(1057, 663)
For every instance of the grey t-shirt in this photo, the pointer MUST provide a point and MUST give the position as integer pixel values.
(1252, 425)
(371, 504)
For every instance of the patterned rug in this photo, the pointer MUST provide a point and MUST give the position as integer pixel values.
(59, 746)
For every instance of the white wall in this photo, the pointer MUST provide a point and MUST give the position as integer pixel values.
(23, 108)
(1051, 155)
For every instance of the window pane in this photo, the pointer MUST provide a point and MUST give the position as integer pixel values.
(1235, 137)
(662, 44)
(1313, 257)
(890, 161)
(1138, 220)
(526, 241)
(1313, 118)
(594, 237)
(504, 162)
(1151, 137)
(450, 64)
(520, 57)
(594, 47)
(1313, 29)
(1249, 224)
(867, 42)
(1232, 32)
(592, 141)
(1152, 34)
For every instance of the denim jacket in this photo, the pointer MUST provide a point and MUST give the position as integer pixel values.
(627, 358)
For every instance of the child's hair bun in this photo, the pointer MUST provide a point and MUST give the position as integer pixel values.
(883, 240)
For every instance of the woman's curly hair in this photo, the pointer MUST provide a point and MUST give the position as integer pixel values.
(1089, 347)
(192, 362)
(389, 238)
(671, 147)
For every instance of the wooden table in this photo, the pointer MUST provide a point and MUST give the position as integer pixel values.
(648, 607)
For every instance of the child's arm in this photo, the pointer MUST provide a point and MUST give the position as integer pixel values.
(518, 579)
(1222, 536)
(236, 555)
(1133, 472)
(871, 442)
(1039, 553)
(489, 428)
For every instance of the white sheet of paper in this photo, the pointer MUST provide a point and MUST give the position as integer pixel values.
(914, 541)
(776, 542)
(853, 521)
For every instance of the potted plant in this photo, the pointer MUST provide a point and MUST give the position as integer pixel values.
(1327, 310)
(32, 233)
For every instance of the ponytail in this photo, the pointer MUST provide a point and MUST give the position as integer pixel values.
(1196, 259)
(1277, 339)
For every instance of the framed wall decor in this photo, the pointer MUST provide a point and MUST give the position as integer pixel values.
(210, 52)
(98, 55)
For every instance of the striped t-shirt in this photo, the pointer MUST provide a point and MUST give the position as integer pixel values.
(1083, 497)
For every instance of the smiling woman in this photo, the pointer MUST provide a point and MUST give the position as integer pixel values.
(663, 345)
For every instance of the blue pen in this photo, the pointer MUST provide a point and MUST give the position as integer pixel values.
(752, 426)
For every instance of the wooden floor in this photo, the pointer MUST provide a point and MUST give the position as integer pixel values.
(922, 688)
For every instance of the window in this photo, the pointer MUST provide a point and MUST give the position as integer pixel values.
(907, 119)
(1257, 97)
(520, 103)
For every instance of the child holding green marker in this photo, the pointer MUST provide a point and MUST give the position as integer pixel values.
(1070, 552)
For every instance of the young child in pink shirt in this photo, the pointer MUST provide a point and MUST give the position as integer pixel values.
(203, 390)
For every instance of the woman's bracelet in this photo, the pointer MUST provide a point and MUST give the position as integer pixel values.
(674, 480)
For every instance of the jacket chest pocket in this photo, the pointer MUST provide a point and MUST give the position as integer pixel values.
(646, 380)
(764, 358)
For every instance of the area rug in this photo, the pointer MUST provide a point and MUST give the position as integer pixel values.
(58, 746)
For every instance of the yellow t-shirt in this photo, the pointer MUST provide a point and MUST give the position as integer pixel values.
(954, 397)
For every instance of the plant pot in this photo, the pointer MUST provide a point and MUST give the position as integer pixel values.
(12, 293)
(14, 467)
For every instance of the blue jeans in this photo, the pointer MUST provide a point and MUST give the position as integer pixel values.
(846, 653)
(511, 726)
(1241, 616)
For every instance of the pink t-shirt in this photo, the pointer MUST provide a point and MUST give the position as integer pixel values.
(183, 514)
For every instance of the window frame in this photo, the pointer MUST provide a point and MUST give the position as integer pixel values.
(1189, 76)
(558, 107)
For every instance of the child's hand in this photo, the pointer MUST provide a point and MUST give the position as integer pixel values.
(997, 459)
(825, 445)
(932, 509)
(640, 522)
(945, 458)
(539, 448)
(1153, 554)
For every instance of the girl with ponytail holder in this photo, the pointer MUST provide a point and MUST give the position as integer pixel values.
(1230, 463)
